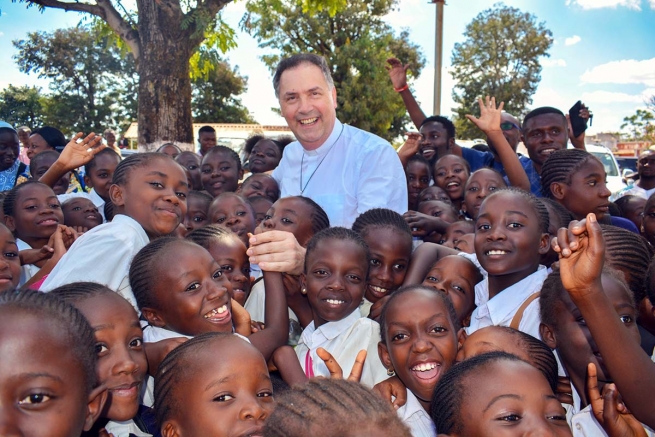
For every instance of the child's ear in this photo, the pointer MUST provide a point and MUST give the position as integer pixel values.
(240, 174)
(383, 352)
(170, 429)
(303, 283)
(558, 189)
(116, 195)
(548, 336)
(87, 181)
(544, 244)
(451, 144)
(461, 337)
(97, 400)
(10, 223)
(153, 317)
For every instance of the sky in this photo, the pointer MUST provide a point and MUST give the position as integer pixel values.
(603, 52)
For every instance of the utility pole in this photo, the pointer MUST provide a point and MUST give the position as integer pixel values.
(438, 55)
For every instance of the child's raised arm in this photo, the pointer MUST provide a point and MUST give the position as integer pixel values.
(74, 155)
(489, 123)
(423, 259)
(409, 148)
(582, 252)
(398, 75)
(276, 317)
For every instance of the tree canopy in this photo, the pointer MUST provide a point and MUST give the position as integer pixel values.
(499, 57)
(22, 106)
(640, 126)
(356, 43)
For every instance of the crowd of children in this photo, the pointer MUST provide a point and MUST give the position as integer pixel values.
(131, 308)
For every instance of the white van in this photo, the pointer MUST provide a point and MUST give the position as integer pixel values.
(614, 180)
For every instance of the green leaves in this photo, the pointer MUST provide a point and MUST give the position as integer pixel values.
(500, 57)
(640, 126)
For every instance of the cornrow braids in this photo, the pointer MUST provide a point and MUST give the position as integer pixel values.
(78, 332)
(560, 166)
(108, 209)
(319, 217)
(175, 368)
(539, 208)
(227, 151)
(39, 156)
(557, 214)
(9, 205)
(552, 293)
(629, 253)
(409, 288)
(622, 203)
(343, 407)
(201, 195)
(336, 233)
(78, 291)
(144, 269)
(205, 235)
(93, 163)
(136, 160)
(452, 388)
(382, 218)
(538, 353)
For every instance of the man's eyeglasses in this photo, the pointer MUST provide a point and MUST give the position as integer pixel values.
(508, 125)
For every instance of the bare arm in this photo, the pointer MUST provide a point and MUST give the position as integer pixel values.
(423, 259)
(276, 317)
(582, 248)
(398, 75)
(489, 123)
(73, 156)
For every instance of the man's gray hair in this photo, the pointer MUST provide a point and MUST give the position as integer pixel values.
(295, 61)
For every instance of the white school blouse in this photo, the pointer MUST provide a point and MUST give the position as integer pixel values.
(343, 339)
(499, 310)
(256, 303)
(27, 270)
(584, 424)
(416, 418)
(102, 255)
(125, 429)
(352, 172)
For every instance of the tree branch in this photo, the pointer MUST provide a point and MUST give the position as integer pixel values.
(105, 10)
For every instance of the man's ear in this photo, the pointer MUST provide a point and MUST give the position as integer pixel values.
(544, 244)
(116, 195)
(383, 352)
(97, 400)
(451, 143)
(170, 429)
(334, 96)
(548, 336)
(10, 223)
(558, 189)
(153, 317)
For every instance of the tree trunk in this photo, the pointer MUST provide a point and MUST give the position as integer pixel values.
(164, 84)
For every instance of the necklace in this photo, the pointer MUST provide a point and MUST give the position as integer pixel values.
(302, 161)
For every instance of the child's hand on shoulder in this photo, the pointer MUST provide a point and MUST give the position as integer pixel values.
(241, 319)
(376, 309)
(392, 390)
(581, 251)
(157, 351)
(609, 410)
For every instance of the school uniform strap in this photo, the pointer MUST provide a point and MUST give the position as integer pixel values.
(516, 320)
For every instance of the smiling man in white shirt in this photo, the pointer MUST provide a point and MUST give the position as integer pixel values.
(342, 168)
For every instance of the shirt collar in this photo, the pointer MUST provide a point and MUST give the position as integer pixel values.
(510, 299)
(129, 221)
(331, 330)
(327, 145)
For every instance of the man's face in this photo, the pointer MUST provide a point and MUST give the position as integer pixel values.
(24, 137)
(646, 164)
(308, 104)
(511, 131)
(544, 134)
(207, 140)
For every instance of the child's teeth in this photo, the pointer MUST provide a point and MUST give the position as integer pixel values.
(379, 289)
(215, 311)
(334, 301)
(424, 367)
(496, 252)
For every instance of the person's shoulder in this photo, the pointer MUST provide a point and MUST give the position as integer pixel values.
(364, 140)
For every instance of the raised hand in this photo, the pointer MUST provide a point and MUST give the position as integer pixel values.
(609, 410)
(335, 369)
(489, 120)
(581, 251)
(77, 153)
(397, 72)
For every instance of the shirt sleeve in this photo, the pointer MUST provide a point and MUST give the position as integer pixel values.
(382, 182)
(477, 159)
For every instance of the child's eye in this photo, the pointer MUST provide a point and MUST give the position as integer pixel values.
(437, 214)
(439, 329)
(198, 219)
(192, 167)
(137, 342)
(626, 319)
(103, 175)
(226, 268)
(30, 207)
(581, 321)
(241, 213)
(217, 274)
(514, 225)
(354, 278)
(320, 272)
(557, 417)
(510, 418)
(398, 337)
(458, 288)
(286, 221)
(375, 262)
(101, 348)
(193, 287)
(223, 398)
(157, 184)
(226, 168)
(181, 195)
(484, 227)
(55, 206)
(472, 189)
(432, 279)
(246, 271)
(265, 394)
(77, 208)
(220, 219)
(10, 254)
(399, 266)
(206, 170)
(267, 217)
(35, 398)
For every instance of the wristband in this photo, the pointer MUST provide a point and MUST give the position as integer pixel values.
(401, 89)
